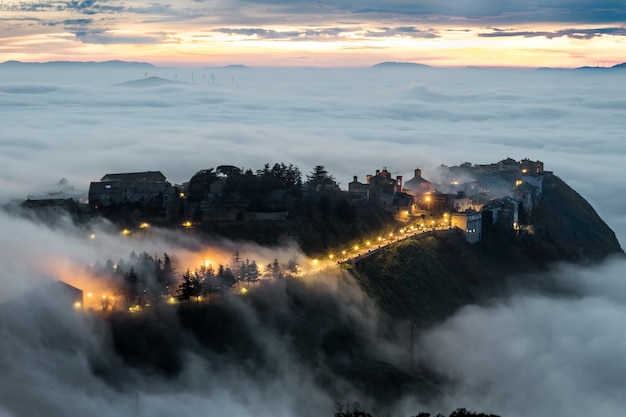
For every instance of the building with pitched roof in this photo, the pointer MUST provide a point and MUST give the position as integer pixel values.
(133, 187)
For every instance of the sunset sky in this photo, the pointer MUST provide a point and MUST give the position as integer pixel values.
(446, 33)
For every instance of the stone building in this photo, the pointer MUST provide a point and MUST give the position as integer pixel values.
(134, 187)
(470, 223)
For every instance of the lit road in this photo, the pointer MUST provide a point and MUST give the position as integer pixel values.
(358, 253)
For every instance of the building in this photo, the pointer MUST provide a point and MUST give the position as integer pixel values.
(53, 207)
(417, 186)
(504, 212)
(135, 187)
(531, 167)
(470, 223)
(357, 188)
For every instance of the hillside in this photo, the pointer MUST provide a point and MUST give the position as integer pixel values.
(337, 337)
(319, 330)
(428, 279)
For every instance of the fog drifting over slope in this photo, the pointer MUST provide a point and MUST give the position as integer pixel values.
(525, 355)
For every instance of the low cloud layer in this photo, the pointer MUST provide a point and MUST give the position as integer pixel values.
(57, 362)
(524, 355)
(539, 355)
(77, 124)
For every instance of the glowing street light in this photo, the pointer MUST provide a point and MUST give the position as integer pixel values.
(144, 225)
(126, 232)
(331, 256)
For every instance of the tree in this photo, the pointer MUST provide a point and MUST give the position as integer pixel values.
(131, 286)
(250, 271)
(273, 270)
(189, 287)
(226, 278)
(320, 178)
(354, 411)
(165, 274)
(200, 184)
(236, 266)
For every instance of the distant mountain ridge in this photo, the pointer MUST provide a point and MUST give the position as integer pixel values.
(109, 64)
(149, 82)
(396, 64)
(381, 65)
(617, 67)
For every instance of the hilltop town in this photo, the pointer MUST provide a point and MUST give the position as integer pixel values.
(464, 197)
(337, 226)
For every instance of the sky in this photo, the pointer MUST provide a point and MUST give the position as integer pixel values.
(328, 33)
(524, 354)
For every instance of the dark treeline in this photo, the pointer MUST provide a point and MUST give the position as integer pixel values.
(143, 279)
(265, 189)
(356, 410)
(207, 281)
(317, 214)
(139, 280)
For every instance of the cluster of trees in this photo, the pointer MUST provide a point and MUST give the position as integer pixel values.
(207, 281)
(245, 183)
(144, 279)
(263, 189)
(355, 410)
(140, 279)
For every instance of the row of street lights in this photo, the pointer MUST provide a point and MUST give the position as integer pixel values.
(390, 238)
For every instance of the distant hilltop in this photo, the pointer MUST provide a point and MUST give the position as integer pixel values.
(394, 64)
(231, 67)
(617, 67)
(107, 64)
(149, 82)
(61, 64)
(239, 67)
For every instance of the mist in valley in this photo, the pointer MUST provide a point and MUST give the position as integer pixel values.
(525, 353)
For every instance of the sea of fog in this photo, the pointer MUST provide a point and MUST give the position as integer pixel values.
(524, 355)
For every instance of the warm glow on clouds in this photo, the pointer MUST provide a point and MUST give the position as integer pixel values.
(284, 33)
